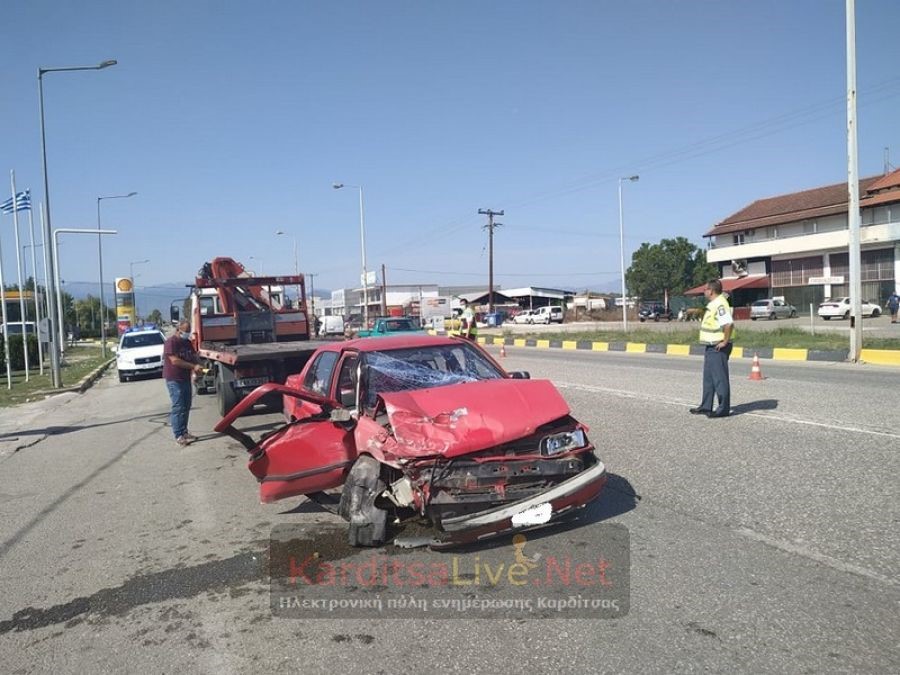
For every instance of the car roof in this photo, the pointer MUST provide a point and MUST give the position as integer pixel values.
(380, 344)
(142, 331)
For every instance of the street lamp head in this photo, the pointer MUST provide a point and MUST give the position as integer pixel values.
(277, 232)
(106, 64)
(633, 178)
(337, 186)
(131, 194)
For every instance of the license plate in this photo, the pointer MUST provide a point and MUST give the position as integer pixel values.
(536, 515)
(251, 381)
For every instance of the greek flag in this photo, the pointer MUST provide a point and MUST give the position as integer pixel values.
(23, 202)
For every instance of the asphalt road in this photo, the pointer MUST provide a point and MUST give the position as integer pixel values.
(762, 542)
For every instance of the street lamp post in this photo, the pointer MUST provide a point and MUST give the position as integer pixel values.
(48, 232)
(362, 237)
(296, 262)
(622, 253)
(134, 286)
(100, 258)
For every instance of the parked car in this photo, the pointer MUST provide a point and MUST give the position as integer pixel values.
(526, 316)
(548, 315)
(654, 312)
(140, 352)
(423, 427)
(840, 308)
(772, 309)
(331, 325)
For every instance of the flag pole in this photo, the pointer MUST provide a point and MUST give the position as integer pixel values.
(3, 314)
(37, 304)
(22, 317)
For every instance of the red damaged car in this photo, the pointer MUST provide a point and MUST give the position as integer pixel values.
(421, 426)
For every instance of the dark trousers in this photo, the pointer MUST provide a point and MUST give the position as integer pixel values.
(180, 394)
(715, 378)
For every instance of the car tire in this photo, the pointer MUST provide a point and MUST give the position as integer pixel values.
(772, 316)
(876, 313)
(793, 313)
(827, 318)
(227, 397)
(368, 523)
(643, 319)
(122, 378)
(753, 318)
(847, 314)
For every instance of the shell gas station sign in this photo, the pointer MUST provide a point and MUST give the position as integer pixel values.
(124, 303)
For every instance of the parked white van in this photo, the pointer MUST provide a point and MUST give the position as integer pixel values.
(331, 325)
(548, 315)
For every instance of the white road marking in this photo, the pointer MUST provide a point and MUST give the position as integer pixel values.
(788, 419)
(820, 558)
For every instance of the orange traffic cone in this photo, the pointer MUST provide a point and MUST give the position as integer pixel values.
(755, 372)
(502, 350)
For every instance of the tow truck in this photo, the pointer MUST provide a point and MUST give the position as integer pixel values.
(245, 331)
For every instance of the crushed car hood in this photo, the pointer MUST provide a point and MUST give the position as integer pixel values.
(464, 418)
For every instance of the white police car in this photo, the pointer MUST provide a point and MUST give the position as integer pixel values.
(140, 352)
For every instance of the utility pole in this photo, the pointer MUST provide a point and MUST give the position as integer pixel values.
(853, 215)
(490, 228)
(312, 291)
(383, 292)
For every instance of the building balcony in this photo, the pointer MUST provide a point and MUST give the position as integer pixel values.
(887, 233)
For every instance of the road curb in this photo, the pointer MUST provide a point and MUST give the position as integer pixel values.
(86, 382)
(884, 357)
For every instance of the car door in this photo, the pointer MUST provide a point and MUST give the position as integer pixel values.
(313, 453)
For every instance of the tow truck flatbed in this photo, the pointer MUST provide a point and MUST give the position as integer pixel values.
(232, 354)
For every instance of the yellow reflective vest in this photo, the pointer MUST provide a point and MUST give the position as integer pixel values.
(711, 332)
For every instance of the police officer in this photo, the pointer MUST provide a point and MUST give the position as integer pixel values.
(716, 333)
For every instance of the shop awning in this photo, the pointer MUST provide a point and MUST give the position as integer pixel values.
(732, 285)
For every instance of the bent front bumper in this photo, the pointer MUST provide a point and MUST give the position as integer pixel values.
(563, 499)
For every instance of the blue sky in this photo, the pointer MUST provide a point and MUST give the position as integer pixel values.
(231, 121)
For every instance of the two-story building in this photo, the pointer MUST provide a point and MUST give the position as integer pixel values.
(796, 245)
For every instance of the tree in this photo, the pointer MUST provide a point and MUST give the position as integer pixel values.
(672, 265)
(87, 314)
(155, 317)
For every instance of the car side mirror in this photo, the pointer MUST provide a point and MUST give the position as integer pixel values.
(341, 416)
(520, 375)
(173, 314)
(348, 398)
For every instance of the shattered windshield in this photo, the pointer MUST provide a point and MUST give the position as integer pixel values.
(425, 367)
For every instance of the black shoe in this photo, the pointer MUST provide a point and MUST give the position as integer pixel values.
(720, 413)
(699, 411)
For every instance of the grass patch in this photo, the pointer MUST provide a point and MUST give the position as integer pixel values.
(791, 338)
(79, 362)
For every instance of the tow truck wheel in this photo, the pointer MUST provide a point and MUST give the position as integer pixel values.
(225, 394)
(368, 523)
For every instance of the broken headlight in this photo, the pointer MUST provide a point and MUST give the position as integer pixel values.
(556, 444)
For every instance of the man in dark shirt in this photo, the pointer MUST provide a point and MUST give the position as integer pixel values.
(179, 361)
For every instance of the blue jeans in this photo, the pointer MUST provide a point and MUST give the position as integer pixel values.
(180, 393)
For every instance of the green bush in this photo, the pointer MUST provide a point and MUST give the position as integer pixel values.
(17, 355)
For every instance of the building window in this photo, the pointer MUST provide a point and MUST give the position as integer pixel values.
(809, 227)
(738, 239)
